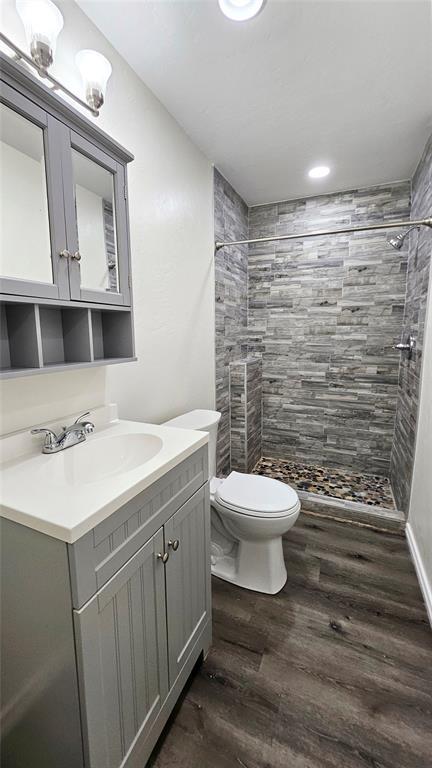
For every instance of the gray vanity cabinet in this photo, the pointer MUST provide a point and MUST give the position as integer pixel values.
(136, 634)
(122, 657)
(187, 579)
(102, 634)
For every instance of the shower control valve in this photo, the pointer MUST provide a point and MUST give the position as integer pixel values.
(409, 346)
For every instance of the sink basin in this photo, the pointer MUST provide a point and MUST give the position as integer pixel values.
(67, 494)
(101, 458)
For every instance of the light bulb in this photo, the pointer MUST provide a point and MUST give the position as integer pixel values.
(95, 71)
(43, 23)
(240, 10)
(319, 172)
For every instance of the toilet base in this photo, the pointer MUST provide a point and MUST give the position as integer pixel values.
(256, 565)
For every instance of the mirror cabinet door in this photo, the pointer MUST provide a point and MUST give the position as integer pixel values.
(32, 230)
(95, 221)
(98, 268)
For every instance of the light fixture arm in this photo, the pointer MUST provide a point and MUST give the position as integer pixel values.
(57, 85)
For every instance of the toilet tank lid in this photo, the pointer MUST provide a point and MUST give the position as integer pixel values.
(198, 419)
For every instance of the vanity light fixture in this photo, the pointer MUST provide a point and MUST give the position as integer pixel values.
(95, 71)
(319, 172)
(43, 23)
(240, 10)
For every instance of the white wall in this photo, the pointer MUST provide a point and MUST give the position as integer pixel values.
(419, 527)
(171, 213)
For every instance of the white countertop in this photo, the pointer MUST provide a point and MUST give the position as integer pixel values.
(42, 492)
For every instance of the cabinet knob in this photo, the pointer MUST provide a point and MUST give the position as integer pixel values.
(174, 544)
(65, 254)
(76, 256)
(163, 556)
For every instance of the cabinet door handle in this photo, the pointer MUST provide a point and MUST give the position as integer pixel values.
(174, 544)
(163, 556)
(76, 256)
(65, 254)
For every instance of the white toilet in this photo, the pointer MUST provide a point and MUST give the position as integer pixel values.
(250, 514)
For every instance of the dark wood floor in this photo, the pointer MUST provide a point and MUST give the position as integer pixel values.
(334, 671)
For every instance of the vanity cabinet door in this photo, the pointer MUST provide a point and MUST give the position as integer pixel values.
(122, 658)
(96, 223)
(187, 578)
(32, 226)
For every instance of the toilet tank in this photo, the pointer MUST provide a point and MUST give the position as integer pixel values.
(206, 421)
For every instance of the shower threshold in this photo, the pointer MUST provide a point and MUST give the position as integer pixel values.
(337, 493)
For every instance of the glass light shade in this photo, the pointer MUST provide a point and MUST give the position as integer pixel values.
(95, 71)
(240, 10)
(43, 23)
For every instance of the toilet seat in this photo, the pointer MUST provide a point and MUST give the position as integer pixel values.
(257, 496)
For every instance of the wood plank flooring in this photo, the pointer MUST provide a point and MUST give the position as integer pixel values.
(333, 672)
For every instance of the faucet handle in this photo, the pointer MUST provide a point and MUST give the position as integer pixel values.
(83, 415)
(87, 426)
(50, 436)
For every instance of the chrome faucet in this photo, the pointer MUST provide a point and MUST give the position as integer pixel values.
(69, 436)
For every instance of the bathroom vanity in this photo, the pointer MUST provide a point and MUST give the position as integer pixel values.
(106, 602)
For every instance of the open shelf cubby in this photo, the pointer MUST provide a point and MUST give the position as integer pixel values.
(36, 338)
(19, 337)
(65, 334)
(112, 334)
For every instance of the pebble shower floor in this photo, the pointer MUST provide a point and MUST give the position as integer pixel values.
(336, 483)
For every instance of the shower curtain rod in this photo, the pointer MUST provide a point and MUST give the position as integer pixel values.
(318, 232)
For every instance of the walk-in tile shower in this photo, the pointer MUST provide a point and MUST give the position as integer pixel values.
(335, 401)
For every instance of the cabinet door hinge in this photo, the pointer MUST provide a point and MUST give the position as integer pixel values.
(125, 192)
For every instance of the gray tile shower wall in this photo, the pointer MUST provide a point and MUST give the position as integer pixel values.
(325, 314)
(238, 416)
(253, 412)
(419, 257)
(246, 413)
(231, 268)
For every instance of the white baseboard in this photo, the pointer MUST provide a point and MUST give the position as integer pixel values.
(425, 585)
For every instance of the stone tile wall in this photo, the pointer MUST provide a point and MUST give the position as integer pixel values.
(231, 268)
(419, 257)
(238, 416)
(253, 412)
(325, 314)
(246, 413)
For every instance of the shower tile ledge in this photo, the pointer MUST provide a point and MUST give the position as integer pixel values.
(353, 511)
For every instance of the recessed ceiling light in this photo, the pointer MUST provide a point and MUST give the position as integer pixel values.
(240, 10)
(319, 172)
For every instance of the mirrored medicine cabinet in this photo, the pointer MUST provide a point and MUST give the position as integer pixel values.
(65, 279)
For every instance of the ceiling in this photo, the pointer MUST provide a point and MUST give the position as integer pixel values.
(307, 82)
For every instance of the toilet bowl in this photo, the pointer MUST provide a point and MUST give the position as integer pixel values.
(249, 515)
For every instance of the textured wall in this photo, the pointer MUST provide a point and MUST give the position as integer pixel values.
(171, 222)
(419, 256)
(231, 223)
(420, 507)
(325, 313)
(246, 413)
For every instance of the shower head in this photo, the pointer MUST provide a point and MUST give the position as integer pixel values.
(398, 241)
